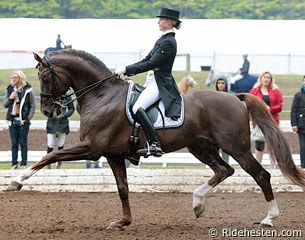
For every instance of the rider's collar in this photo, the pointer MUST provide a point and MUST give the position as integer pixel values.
(167, 31)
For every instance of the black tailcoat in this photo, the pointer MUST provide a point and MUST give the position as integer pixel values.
(161, 59)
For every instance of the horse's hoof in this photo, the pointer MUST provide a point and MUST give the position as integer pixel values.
(198, 210)
(114, 225)
(14, 186)
(266, 223)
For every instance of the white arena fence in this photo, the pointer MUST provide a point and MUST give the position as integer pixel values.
(289, 63)
(141, 180)
(170, 159)
(154, 179)
(286, 107)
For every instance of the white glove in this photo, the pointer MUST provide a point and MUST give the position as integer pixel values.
(120, 70)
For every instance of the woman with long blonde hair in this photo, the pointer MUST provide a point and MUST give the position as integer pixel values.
(19, 100)
(266, 89)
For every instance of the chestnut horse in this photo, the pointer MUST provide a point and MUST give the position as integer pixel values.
(105, 130)
(185, 83)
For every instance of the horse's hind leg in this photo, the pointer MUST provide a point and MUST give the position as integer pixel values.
(209, 155)
(118, 168)
(262, 178)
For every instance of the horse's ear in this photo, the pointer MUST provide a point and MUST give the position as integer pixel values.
(38, 58)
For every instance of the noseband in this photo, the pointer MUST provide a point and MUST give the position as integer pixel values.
(59, 98)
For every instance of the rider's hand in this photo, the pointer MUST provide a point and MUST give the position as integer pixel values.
(295, 129)
(120, 70)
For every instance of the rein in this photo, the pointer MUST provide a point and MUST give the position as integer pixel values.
(57, 97)
(89, 88)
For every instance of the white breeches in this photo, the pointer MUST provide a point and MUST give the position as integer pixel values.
(235, 78)
(148, 97)
(61, 137)
(149, 80)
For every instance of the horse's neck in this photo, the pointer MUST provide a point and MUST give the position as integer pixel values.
(218, 74)
(106, 95)
(183, 86)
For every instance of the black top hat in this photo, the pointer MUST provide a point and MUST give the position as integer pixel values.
(169, 13)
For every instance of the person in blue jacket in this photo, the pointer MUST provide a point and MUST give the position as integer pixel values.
(243, 71)
(59, 43)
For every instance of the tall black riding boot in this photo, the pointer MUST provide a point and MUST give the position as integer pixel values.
(58, 166)
(48, 151)
(154, 147)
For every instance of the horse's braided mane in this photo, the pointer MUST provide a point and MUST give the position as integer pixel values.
(85, 55)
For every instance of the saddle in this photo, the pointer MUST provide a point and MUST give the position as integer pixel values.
(156, 114)
(152, 111)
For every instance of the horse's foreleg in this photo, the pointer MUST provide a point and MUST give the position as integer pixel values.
(79, 152)
(16, 184)
(119, 171)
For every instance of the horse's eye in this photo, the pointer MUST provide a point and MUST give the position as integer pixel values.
(44, 78)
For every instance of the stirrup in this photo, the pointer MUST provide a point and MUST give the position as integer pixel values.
(152, 150)
(134, 160)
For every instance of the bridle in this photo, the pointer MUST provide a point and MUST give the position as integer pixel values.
(191, 81)
(60, 99)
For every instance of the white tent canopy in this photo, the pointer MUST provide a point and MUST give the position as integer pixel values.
(196, 37)
(128, 35)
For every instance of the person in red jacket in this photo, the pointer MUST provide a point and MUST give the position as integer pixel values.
(266, 89)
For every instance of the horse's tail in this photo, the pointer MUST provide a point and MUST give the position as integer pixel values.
(275, 139)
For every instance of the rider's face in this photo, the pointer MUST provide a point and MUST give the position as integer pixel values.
(165, 24)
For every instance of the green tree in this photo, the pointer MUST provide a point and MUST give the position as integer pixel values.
(29, 9)
(114, 9)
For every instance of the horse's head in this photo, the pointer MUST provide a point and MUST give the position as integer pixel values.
(191, 81)
(211, 78)
(53, 84)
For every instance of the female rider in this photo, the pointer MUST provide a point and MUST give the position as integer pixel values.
(160, 59)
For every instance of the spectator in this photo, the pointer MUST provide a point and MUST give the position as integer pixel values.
(94, 163)
(297, 117)
(266, 89)
(222, 86)
(243, 71)
(59, 42)
(20, 100)
(58, 127)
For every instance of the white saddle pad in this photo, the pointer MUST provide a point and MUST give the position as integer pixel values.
(169, 123)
